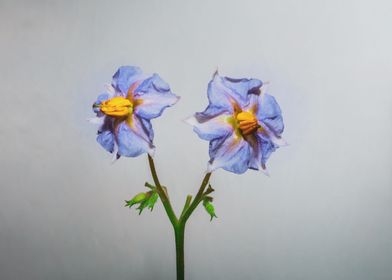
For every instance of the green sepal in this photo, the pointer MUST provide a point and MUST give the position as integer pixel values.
(144, 203)
(152, 200)
(140, 197)
(209, 190)
(149, 201)
(209, 207)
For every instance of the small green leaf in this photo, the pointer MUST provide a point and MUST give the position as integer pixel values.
(209, 207)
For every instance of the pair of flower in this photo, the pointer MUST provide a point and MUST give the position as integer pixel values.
(242, 122)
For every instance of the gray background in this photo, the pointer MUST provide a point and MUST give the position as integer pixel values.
(325, 212)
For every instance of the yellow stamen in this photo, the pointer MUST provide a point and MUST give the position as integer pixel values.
(117, 107)
(247, 122)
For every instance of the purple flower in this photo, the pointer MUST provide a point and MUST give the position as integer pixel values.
(242, 122)
(125, 109)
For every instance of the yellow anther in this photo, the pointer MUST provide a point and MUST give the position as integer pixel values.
(117, 107)
(246, 116)
(247, 123)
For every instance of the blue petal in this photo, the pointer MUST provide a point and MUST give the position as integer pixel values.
(225, 92)
(134, 138)
(105, 135)
(152, 96)
(146, 126)
(275, 124)
(270, 114)
(125, 77)
(232, 153)
(243, 87)
(256, 155)
(267, 134)
(267, 148)
(211, 124)
(106, 139)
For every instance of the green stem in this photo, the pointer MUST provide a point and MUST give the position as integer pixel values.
(198, 198)
(179, 231)
(162, 194)
(187, 203)
(178, 224)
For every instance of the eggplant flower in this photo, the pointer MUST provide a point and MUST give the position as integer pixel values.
(125, 109)
(242, 123)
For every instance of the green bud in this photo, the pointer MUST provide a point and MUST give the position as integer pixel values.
(209, 207)
(140, 197)
(152, 200)
(149, 202)
(144, 200)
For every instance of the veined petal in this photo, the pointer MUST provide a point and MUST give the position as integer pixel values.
(267, 134)
(275, 124)
(105, 134)
(212, 123)
(134, 138)
(152, 96)
(270, 114)
(211, 127)
(267, 148)
(106, 139)
(125, 77)
(227, 92)
(256, 155)
(232, 153)
(253, 104)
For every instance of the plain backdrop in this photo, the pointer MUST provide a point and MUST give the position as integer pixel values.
(325, 212)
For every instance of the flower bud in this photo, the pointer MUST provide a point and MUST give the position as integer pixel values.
(140, 197)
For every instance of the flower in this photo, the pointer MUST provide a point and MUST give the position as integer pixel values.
(242, 122)
(125, 109)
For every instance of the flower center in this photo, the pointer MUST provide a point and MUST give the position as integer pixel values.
(247, 122)
(117, 107)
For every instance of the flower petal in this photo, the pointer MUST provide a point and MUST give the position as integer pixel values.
(232, 153)
(106, 139)
(267, 148)
(227, 92)
(256, 155)
(210, 127)
(267, 134)
(105, 135)
(134, 138)
(125, 77)
(270, 114)
(152, 96)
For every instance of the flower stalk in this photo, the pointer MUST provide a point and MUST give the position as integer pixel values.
(179, 223)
